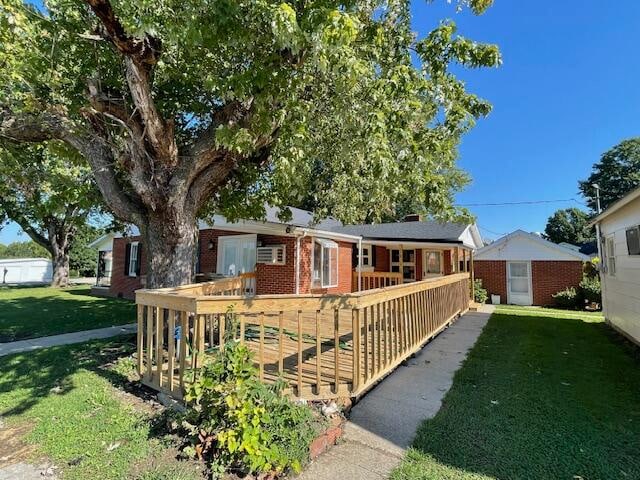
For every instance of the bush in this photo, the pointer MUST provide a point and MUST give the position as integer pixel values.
(238, 423)
(590, 290)
(480, 293)
(567, 298)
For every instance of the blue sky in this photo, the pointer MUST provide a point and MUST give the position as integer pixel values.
(567, 92)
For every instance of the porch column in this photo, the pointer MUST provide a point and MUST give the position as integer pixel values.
(456, 265)
(401, 260)
(473, 287)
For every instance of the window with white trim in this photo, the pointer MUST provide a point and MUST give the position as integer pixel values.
(610, 251)
(325, 263)
(366, 255)
(236, 254)
(133, 259)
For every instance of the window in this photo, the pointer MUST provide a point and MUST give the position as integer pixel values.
(433, 262)
(408, 263)
(633, 240)
(325, 263)
(236, 254)
(366, 255)
(610, 251)
(133, 268)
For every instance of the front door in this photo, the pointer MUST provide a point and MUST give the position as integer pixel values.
(519, 283)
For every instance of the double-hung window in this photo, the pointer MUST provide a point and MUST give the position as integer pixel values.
(133, 261)
(325, 263)
(432, 262)
(610, 252)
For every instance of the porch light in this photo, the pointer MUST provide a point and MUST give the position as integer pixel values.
(210, 245)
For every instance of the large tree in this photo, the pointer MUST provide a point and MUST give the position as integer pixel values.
(617, 173)
(569, 225)
(183, 107)
(49, 193)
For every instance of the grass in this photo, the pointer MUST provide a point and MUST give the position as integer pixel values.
(31, 312)
(543, 395)
(79, 420)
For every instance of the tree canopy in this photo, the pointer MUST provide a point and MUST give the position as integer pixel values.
(617, 173)
(49, 193)
(569, 225)
(28, 249)
(182, 108)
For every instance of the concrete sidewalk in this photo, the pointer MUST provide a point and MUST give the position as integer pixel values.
(382, 425)
(65, 339)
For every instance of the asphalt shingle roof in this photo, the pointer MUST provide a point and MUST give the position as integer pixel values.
(429, 230)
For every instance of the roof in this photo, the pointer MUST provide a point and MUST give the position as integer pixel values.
(429, 230)
(532, 247)
(301, 218)
(623, 202)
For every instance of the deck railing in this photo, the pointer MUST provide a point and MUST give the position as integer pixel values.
(372, 280)
(324, 346)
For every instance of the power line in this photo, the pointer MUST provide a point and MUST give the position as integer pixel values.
(526, 202)
(491, 231)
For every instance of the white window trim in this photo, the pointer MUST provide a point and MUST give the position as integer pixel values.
(324, 243)
(610, 240)
(403, 263)
(131, 272)
(228, 238)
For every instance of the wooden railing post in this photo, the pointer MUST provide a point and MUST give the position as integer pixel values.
(356, 350)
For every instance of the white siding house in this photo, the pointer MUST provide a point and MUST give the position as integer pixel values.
(25, 270)
(620, 268)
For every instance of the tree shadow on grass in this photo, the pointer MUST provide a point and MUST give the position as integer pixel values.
(537, 398)
(28, 378)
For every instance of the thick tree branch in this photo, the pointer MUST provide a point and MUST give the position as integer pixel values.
(34, 128)
(34, 234)
(140, 55)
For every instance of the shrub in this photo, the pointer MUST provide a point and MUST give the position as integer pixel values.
(567, 298)
(480, 293)
(238, 423)
(590, 289)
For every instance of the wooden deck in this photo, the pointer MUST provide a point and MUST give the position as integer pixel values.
(307, 340)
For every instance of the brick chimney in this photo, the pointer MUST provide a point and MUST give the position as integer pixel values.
(413, 217)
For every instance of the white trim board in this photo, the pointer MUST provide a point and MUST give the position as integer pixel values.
(520, 245)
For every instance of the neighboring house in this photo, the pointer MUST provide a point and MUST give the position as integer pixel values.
(26, 270)
(620, 264)
(525, 269)
(104, 246)
(299, 257)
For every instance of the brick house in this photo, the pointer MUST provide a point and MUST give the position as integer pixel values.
(300, 257)
(525, 269)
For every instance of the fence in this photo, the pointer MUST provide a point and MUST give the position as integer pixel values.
(323, 346)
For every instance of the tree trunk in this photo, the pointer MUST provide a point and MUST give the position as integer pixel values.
(169, 242)
(60, 258)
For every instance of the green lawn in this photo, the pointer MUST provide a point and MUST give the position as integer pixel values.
(62, 400)
(31, 312)
(543, 395)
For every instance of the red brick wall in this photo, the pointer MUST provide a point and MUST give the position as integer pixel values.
(277, 279)
(549, 277)
(494, 277)
(122, 285)
(345, 268)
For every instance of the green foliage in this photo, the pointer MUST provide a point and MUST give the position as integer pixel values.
(569, 225)
(237, 422)
(480, 293)
(590, 289)
(368, 117)
(28, 249)
(617, 173)
(567, 298)
(82, 258)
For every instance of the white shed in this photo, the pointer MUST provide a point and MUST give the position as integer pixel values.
(620, 264)
(25, 270)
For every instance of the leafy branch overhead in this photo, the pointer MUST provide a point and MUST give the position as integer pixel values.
(185, 107)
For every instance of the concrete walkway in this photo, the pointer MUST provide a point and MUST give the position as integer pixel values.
(382, 425)
(65, 339)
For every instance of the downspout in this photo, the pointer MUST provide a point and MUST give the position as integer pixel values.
(360, 263)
